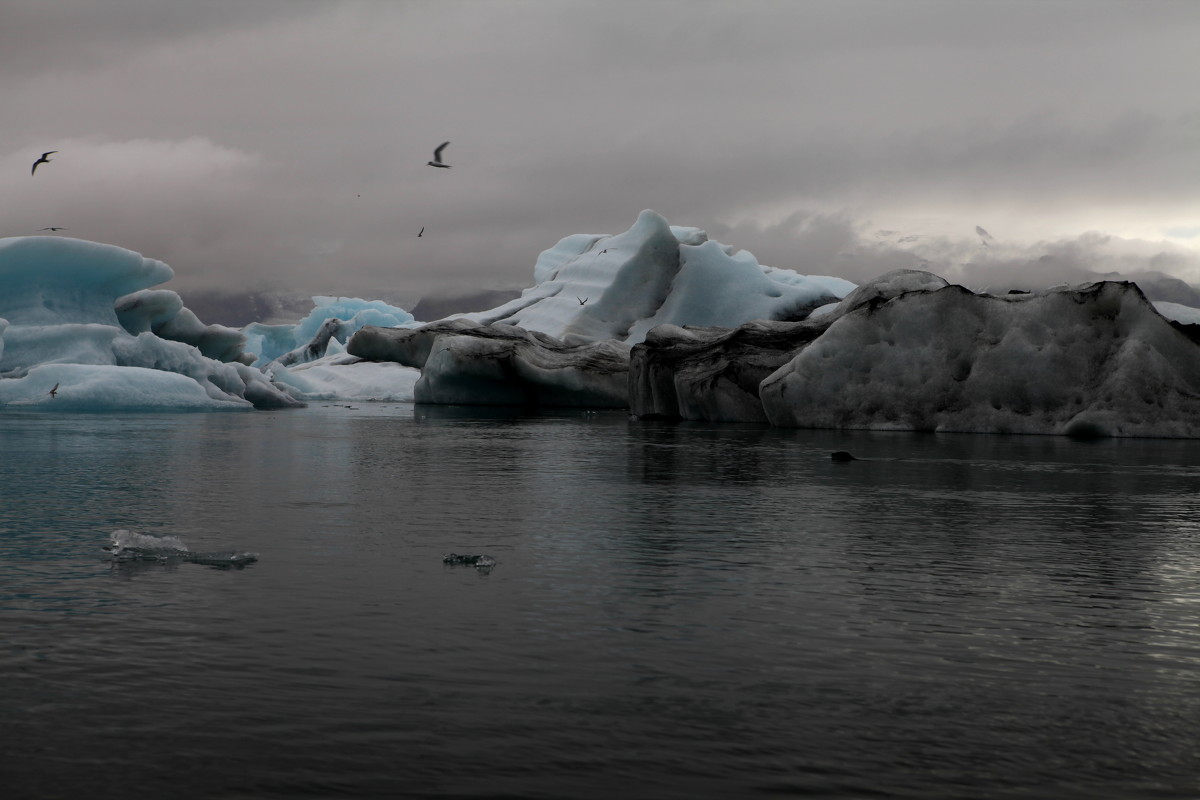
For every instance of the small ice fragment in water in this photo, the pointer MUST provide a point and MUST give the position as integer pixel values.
(481, 561)
(130, 546)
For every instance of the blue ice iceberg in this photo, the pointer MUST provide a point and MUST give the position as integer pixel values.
(79, 332)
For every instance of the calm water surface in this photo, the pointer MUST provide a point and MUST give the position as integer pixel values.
(678, 611)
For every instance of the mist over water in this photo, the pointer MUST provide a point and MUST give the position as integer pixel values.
(678, 610)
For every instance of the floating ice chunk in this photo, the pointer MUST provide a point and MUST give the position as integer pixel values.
(480, 561)
(81, 316)
(332, 319)
(345, 377)
(129, 546)
(102, 388)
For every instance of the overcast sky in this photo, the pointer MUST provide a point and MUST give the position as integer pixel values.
(261, 144)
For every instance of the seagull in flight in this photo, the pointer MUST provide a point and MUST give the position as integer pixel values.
(45, 159)
(582, 301)
(421, 232)
(53, 392)
(984, 236)
(52, 228)
(437, 156)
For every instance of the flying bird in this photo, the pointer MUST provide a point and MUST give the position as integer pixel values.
(45, 159)
(421, 232)
(582, 301)
(53, 229)
(984, 236)
(53, 392)
(437, 156)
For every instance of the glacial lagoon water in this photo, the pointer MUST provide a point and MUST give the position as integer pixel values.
(677, 610)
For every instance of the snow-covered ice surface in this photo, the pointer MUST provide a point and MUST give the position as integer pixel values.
(591, 287)
(65, 344)
(348, 378)
(1177, 312)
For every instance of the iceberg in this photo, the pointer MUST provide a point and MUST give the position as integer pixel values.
(347, 378)
(506, 365)
(659, 319)
(463, 363)
(908, 351)
(566, 340)
(1092, 360)
(323, 332)
(80, 332)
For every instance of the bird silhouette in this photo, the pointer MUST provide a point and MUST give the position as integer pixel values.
(53, 229)
(421, 232)
(54, 391)
(582, 301)
(45, 159)
(437, 156)
(984, 236)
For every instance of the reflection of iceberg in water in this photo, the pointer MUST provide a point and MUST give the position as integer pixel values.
(129, 546)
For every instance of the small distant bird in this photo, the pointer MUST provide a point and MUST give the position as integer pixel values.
(421, 232)
(53, 392)
(45, 159)
(54, 229)
(605, 250)
(583, 300)
(984, 236)
(437, 156)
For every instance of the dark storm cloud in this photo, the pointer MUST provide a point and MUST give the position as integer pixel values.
(284, 144)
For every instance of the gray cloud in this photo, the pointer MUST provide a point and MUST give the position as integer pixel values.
(284, 144)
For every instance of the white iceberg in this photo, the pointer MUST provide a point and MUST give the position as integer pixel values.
(346, 378)
(592, 287)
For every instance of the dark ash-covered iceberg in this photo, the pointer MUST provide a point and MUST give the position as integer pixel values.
(910, 352)
(465, 364)
(1095, 360)
(713, 374)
